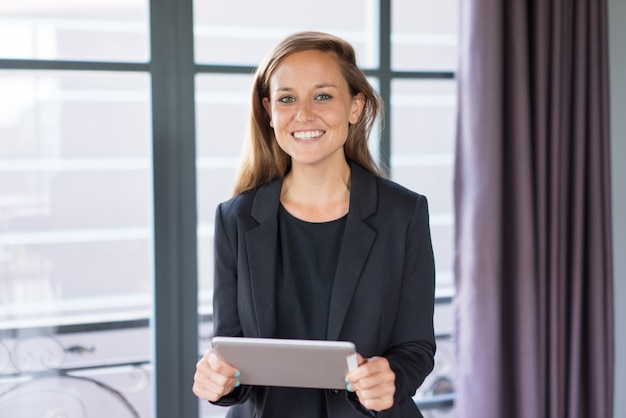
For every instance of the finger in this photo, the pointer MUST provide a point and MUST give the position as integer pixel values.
(219, 384)
(211, 367)
(360, 359)
(372, 374)
(357, 373)
(376, 392)
(367, 367)
(214, 377)
(218, 365)
(210, 391)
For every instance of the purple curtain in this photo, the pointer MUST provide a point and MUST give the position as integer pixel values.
(533, 257)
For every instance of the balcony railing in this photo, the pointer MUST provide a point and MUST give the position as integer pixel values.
(103, 369)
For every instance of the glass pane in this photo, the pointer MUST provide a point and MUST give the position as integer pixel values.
(423, 118)
(221, 120)
(424, 35)
(94, 30)
(232, 33)
(222, 103)
(76, 247)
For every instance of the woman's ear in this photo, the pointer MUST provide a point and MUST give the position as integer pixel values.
(358, 102)
(268, 109)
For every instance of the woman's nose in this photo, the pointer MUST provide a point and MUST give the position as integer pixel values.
(305, 112)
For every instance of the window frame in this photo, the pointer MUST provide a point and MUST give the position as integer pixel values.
(172, 70)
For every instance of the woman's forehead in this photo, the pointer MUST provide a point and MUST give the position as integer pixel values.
(315, 68)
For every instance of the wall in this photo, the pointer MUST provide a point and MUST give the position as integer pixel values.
(617, 36)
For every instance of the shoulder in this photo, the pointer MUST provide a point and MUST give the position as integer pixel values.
(237, 205)
(398, 202)
(258, 203)
(388, 189)
(379, 196)
(383, 187)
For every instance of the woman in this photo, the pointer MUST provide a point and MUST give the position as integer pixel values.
(315, 244)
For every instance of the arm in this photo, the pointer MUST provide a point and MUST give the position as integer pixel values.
(216, 380)
(413, 360)
(381, 382)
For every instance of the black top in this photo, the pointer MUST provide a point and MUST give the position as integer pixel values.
(307, 261)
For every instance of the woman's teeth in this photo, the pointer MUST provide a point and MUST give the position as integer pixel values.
(308, 134)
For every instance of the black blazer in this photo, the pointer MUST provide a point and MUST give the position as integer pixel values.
(382, 298)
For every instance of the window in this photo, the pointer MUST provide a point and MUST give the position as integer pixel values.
(76, 247)
(106, 106)
(75, 30)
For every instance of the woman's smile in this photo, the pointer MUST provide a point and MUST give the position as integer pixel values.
(308, 135)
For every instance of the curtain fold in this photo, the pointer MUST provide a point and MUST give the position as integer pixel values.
(533, 258)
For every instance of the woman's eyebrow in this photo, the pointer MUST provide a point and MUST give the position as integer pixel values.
(316, 86)
(325, 85)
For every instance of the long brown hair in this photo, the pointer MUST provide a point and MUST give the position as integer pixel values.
(262, 160)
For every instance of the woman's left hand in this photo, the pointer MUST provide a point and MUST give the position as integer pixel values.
(373, 382)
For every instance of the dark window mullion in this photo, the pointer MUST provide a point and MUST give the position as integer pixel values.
(224, 69)
(175, 311)
(34, 64)
(384, 74)
(422, 75)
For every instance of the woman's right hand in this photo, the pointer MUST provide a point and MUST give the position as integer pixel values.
(214, 377)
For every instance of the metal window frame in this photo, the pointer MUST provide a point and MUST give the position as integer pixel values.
(175, 312)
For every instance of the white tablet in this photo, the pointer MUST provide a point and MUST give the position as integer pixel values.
(290, 363)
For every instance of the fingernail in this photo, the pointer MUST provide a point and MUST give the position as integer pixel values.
(345, 379)
(238, 373)
(237, 384)
(348, 387)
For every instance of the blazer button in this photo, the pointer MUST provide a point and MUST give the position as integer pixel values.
(334, 391)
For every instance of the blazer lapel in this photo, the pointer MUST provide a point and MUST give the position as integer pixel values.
(357, 242)
(261, 245)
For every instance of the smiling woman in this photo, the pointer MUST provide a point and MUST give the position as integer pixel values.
(330, 250)
(395, 42)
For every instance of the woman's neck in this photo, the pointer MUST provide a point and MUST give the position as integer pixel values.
(317, 194)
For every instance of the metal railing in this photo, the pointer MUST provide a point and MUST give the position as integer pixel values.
(69, 359)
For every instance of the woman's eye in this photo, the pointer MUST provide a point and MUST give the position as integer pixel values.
(323, 96)
(286, 99)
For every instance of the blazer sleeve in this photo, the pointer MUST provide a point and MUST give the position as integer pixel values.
(412, 359)
(225, 311)
(412, 343)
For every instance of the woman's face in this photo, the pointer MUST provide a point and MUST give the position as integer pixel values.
(310, 107)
